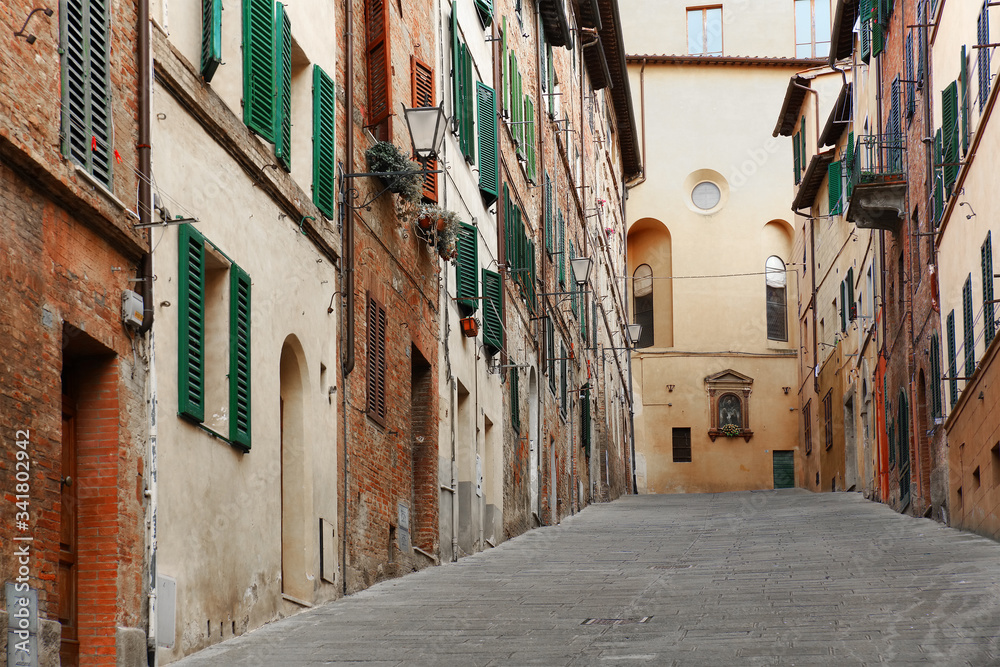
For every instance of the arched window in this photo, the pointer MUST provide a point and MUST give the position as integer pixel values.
(642, 297)
(777, 311)
(730, 411)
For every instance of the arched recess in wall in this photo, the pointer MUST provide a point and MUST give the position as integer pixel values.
(776, 244)
(294, 507)
(649, 243)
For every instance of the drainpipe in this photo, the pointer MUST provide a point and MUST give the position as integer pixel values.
(347, 263)
(453, 398)
(145, 69)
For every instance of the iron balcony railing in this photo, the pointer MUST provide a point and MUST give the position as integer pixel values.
(876, 159)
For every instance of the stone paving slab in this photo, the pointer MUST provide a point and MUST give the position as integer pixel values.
(755, 578)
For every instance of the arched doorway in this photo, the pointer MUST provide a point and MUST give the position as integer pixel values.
(292, 442)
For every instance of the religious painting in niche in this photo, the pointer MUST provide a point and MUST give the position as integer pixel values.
(730, 411)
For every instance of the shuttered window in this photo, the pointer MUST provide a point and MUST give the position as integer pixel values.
(515, 401)
(807, 426)
(989, 308)
(573, 300)
(949, 130)
(283, 88)
(952, 360)
(86, 89)
(489, 164)
(529, 140)
(938, 178)
(983, 55)
(969, 337)
(548, 213)
(797, 158)
(911, 87)
(550, 341)
(258, 67)
(935, 363)
(852, 308)
(492, 310)
(239, 357)
(324, 185)
(866, 39)
(485, 10)
(834, 186)
(843, 306)
(378, 53)
(564, 365)
(191, 321)
(211, 37)
(462, 100)
(562, 248)
(422, 87)
(377, 324)
(585, 423)
(681, 444)
(894, 129)
(828, 419)
(193, 313)
(467, 268)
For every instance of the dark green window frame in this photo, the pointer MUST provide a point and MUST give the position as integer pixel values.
(259, 67)
(489, 163)
(989, 307)
(467, 268)
(324, 185)
(968, 331)
(191, 338)
(952, 361)
(493, 334)
(935, 363)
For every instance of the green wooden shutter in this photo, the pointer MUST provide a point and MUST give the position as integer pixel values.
(504, 74)
(489, 165)
(283, 88)
(550, 339)
(968, 332)
(548, 212)
(564, 364)
(843, 306)
(983, 55)
(989, 308)
(562, 249)
(834, 185)
(211, 37)
(191, 324)
(258, 67)
(964, 98)
(911, 87)
(515, 401)
(467, 268)
(529, 139)
(938, 177)
(324, 185)
(585, 423)
(492, 310)
(797, 158)
(239, 357)
(86, 96)
(485, 8)
(952, 361)
(530, 279)
(851, 310)
(848, 163)
(949, 121)
(802, 138)
(593, 321)
(866, 39)
(550, 75)
(468, 140)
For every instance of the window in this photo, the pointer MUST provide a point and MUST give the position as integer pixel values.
(86, 92)
(807, 426)
(489, 166)
(983, 55)
(834, 183)
(989, 310)
(952, 360)
(422, 94)
(515, 401)
(564, 366)
(377, 323)
(935, 363)
(462, 90)
(642, 297)
(681, 444)
(969, 337)
(704, 27)
(214, 337)
(828, 419)
(775, 279)
(550, 336)
(585, 425)
(211, 38)
(267, 71)
(949, 130)
(911, 86)
(528, 133)
(730, 411)
(492, 311)
(812, 28)
(467, 268)
(706, 195)
(379, 57)
(485, 9)
(324, 185)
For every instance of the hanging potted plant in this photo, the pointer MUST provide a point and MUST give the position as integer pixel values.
(446, 235)
(385, 158)
(730, 430)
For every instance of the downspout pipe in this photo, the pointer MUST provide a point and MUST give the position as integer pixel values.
(347, 264)
(145, 162)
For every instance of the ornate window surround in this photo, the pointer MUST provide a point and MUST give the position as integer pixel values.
(724, 383)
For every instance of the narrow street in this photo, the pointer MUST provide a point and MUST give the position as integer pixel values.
(753, 578)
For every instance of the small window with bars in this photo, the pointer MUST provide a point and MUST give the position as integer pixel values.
(681, 444)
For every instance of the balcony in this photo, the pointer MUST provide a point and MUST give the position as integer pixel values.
(876, 181)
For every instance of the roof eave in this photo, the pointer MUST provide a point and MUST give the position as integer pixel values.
(795, 94)
(811, 180)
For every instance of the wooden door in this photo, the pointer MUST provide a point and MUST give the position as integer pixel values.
(69, 650)
(784, 469)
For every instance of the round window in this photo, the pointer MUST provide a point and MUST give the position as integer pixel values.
(706, 195)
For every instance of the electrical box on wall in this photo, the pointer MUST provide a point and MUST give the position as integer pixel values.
(132, 307)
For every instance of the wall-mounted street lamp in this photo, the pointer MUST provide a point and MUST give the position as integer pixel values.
(581, 269)
(634, 333)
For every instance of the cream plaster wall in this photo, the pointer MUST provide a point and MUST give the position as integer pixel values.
(749, 27)
(220, 510)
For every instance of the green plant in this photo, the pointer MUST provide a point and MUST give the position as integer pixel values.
(730, 430)
(385, 158)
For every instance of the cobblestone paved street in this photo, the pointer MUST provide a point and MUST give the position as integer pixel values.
(755, 578)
